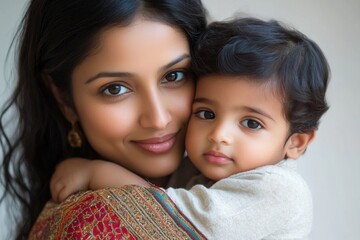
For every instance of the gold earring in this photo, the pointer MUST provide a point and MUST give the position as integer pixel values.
(74, 137)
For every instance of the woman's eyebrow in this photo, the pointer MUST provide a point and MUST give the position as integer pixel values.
(175, 61)
(127, 74)
(108, 74)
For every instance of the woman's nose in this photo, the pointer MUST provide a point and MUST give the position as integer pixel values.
(155, 113)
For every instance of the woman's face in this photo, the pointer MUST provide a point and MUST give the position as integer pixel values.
(133, 97)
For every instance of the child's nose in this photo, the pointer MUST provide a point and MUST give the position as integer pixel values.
(221, 134)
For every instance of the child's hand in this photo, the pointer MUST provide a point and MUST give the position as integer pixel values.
(76, 174)
(70, 176)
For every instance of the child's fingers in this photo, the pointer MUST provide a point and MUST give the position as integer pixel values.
(63, 194)
(54, 184)
(55, 188)
(60, 191)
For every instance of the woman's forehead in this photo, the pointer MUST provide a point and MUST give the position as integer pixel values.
(140, 32)
(144, 44)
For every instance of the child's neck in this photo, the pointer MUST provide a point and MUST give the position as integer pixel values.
(160, 182)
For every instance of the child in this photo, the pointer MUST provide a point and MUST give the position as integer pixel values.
(260, 95)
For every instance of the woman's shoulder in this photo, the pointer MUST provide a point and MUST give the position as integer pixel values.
(80, 215)
(130, 212)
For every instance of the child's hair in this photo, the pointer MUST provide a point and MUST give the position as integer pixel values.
(269, 53)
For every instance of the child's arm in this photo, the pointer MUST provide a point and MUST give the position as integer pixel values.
(265, 203)
(75, 174)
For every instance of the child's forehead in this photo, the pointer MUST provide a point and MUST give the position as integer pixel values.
(217, 84)
(268, 84)
(239, 96)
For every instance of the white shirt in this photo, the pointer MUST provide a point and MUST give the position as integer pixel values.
(270, 202)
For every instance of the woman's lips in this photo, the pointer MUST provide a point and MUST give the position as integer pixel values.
(157, 145)
(217, 157)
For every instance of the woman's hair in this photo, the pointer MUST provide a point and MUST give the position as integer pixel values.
(269, 53)
(54, 37)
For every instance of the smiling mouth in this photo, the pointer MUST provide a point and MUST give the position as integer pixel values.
(157, 145)
(217, 158)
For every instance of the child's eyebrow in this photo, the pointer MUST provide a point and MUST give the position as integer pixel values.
(238, 108)
(204, 100)
(255, 110)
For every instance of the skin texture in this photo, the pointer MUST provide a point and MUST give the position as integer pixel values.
(132, 97)
(236, 125)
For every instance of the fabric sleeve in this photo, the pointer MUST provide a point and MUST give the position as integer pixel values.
(267, 203)
(130, 212)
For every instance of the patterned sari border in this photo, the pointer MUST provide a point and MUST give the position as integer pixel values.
(131, 212)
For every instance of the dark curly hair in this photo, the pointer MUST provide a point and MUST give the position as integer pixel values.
(269, 53)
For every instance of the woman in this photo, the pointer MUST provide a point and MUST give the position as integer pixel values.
(99, 79)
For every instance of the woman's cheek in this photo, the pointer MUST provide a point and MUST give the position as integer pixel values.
(185, 101)
(191, 139)
(106, 122)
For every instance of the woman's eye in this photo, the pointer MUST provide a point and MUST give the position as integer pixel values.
(205, 114)
(115, 90)
(252, 124)
(173, 77)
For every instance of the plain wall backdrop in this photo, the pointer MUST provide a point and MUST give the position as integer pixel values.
(331, 164)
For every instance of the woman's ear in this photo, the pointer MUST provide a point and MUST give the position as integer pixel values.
(66, 110)
(297, 144)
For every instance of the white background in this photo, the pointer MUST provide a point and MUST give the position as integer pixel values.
(331, 164)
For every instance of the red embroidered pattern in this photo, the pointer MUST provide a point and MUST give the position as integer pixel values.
(131, 212)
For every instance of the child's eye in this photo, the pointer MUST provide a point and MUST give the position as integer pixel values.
(115, 90)
(205, 114)
(252, 124)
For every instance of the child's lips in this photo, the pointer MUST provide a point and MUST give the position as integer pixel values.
(216, 157)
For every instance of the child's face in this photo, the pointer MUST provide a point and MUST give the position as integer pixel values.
(236, 125)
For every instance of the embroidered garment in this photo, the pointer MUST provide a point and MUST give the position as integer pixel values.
(131, 212)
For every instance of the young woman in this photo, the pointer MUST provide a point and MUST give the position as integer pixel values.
(98, 79)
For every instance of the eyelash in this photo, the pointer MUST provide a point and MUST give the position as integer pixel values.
(118, 85)
(243, 123)
(259, 125)
(183, 76)
(198, 114)
(184, 72)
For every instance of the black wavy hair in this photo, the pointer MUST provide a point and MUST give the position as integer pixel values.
(54, 37)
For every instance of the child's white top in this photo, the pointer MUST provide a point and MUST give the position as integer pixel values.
(270, 202)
